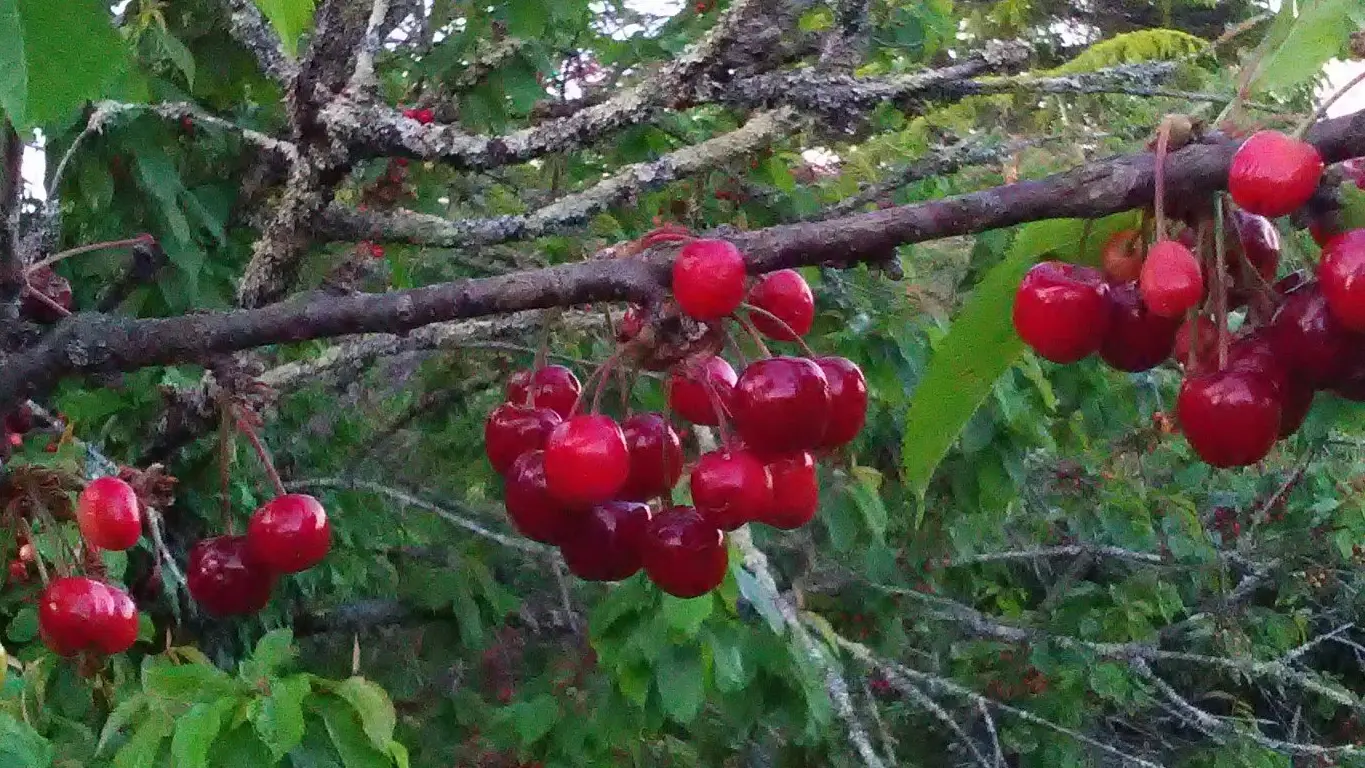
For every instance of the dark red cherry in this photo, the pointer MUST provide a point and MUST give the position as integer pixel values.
(20, 420)
(52, 285)
(684, 554)
(731, 488)
(782, 404)
(289, 533)
(1198, 330)
(847, 400)
(587, 461)
(1342, 276)
(786, 295)
(1060, 311)
(1257, 353)
(607, 544)
(224, 580)
(709, 279)
(656, 457)
(554, 387)
(1231, 418)
(1171, 281)
(796, 491)
(1259, 243)
(77, 614)
(1295, 402)
(534, 512)
(109, 515)
(512, 430)
(1137, 339)
(1273, 174)
(687, 389)
(1308, 339)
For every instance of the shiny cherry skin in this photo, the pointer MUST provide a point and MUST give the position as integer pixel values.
(77, 614)
(684, 555)
(52, 285)
(782, 404)
(1308, 338)
(289, 533)
(554, 387)
(656, 457)
(1295, 403)
(607, 544)
(847, 400)
(1122, 256)
(786, 295)
(1201, 330)
(1171, 281)
(224, 579)
(1342, 276)
(1257, 353)
(796, 491)
(1231, 418)
(535, 513)
(731, 487)
(687, 390)
(109, 515)
(1138, 339)
(587, 460)
(512, 430)
(1273, 174)
(709, 279)
(1061, 312)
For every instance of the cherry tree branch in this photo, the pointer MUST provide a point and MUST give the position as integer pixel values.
(251, 29)
(12, 280)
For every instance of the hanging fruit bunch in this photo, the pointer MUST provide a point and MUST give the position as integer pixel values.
(603, 491)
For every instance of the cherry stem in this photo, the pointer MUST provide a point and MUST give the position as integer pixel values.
(225, 467)
(733, 344)
(37, 557)
(56, 257)
(753, 334)
(1326, 104)
(46, 300)
(783, 325)
(1085, 239)
(1163, 145)
(722, 422)
(261, 453)
(1220, 296)
(603, 374)
(628, 379)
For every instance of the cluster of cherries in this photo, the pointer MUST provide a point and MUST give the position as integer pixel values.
(1241, 393)
(584, 482)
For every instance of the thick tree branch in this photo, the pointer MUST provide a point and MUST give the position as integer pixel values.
(12, 280)
(251, 29)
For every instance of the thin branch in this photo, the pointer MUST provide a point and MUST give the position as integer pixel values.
(251, 29)
(363, 82)
(12, 280)
(1046, 553)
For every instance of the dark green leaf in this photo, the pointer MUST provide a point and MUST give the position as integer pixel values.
(24, 626)
(535, 718)
(681, 683)
(21, 746)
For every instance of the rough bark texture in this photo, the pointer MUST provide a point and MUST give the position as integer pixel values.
(11, 257)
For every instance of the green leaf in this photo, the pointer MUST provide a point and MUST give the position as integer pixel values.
(352, 746)
(863, 491)
(195, 732)
(527, 19)
(56, 56)
(187, 683)
(535, 719)
(728, 663)
(1317, 35)
(681, 684)
(175, 52)
(290, 18)
(374, 707)
(21, 746)
(278, 718)
(1111, 681)
(24, 626)
(122, 716)
(145, 744)
(273, 652)
(687, 615)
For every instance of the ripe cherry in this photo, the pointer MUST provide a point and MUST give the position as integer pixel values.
(1342, 276)
(289, 533)
(224, 579)
(656, 457)
(1273, 174)
(512, 430)
(1308, 338)
(684, 554)
(607, 544)
(1122, 256)
(109, 515)
(52, 285)
(708, 279)
(1231, 418)
(20, 420)
(586, 460)
(687, 390)
(1257, 354)
(1137, 339)
(782, 404)
(796, 491)
(847, 400)
(77, 614)
(1295, 404)
(785, 295)
(534, 512)
(632, 323)
(1201, 331)
(731, 487)
(1171, 279)
(1061, 312)
(553, 386)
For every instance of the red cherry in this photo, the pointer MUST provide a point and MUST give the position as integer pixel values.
(1259, 242)
(1171, 280)
(1323, 230)
(796, 492)
(785, 295)
(1201, 328)
(512, 430)
(731, 487)
(1342, 275)
(683, 554)
(109, 515)
(1231, 418)
(1308, 339)
(52, 285)
(1273, 174)
(534, 512)
(18, 571)
(1122, 256)
(708, 279)
(77, 614)
(1137, 339)
(687, 390)
(1258, 354)
(289, 533)
(20, 420)
(847, 400)
(782, 404)
(225, 580)
(554, 387)
(607, 544)
(631, 324)
(1060, 311)
(656, 457)
(586, 460)
(1297, 400)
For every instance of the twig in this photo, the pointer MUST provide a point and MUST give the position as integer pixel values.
(363, 79)
(156, 524)
(995, 737)
(77, 251)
